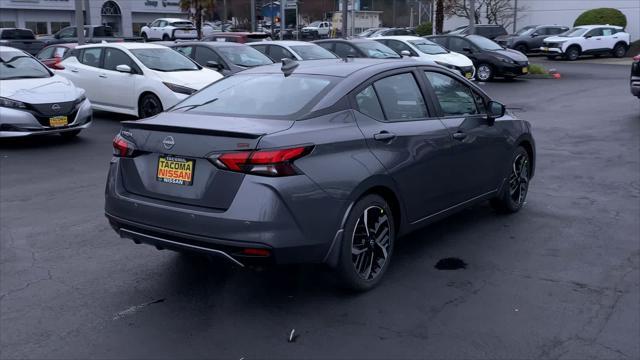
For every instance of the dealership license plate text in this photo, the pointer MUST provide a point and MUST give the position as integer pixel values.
(175, 170)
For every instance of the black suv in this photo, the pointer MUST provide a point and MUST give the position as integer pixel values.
(488, 31)
(530, 38)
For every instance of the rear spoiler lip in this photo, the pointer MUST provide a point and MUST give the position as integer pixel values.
(189, 130)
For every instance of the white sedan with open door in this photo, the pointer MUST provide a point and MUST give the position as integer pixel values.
(134, 78)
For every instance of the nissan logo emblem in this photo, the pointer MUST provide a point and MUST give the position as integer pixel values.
(168, 142)
(55, 107)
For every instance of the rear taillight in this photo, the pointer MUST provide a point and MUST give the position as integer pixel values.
(278, 162)
(123, 147)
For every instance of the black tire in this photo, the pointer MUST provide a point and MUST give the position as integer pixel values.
(374, 242)
(166, 37)
(70, 134)
(619, 51)
(144, 37)
(514, 192)
(484, 72)
(149, 105)
(315, 35)
(522, 48)
(572, 53)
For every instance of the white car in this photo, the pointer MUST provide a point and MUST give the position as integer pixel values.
(294, 50)
(588, 39)
(134, 78)
(35, 101)
(316, 30)
(422, 48)
(169, 29)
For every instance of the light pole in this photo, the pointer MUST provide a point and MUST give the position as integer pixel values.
(253, 15)
(79, 22)
(345, 16)
(472, 16)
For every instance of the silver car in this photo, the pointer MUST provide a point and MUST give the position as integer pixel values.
(35, 101)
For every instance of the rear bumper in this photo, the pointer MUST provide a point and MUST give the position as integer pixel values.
(291, 217)
(635, 86)
(20, 123)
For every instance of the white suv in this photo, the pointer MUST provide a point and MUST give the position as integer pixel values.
(317, 29)
(587, 40)
(169, 29)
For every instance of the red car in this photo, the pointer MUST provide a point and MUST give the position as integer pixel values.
(238, 37)
(53, 54)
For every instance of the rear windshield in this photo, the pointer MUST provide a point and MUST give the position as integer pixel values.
(258, 95)
(17, 34)
(244, 56)
(17, 65)
(312, 52)
(182, 23)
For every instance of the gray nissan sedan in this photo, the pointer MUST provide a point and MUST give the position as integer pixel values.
(330, 165)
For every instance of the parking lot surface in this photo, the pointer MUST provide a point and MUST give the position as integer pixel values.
(560, 279)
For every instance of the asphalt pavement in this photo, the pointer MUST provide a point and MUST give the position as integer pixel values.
(560, 279)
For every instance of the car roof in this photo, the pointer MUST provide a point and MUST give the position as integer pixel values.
(399, 37)
(172, 19)
(205, 43)
(340, 67)
(283, 43)
(124, 45)
(348, 41)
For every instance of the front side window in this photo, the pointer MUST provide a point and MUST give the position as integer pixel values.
(17, 65)
(312, 52)
(164, 59)
(399, 47)
(115, 57)
(345, 50)
(401, 98)
(455, 98)
(245, 56)
(91, 57)
(369, 104)
(278, 53)
(237, 96)
(204, 54)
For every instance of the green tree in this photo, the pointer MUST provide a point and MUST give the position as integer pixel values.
(425, 29)
(602, 16)
(197, 7)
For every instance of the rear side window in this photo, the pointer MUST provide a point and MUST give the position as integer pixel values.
(401, 98)
(60, 52)
(369, 104)
(455, 98)
(17, 34)
(185, 50)
(91, 57)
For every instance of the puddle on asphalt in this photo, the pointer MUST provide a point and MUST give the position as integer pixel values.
(450, 263)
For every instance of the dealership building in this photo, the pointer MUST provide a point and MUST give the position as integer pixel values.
(126, 17)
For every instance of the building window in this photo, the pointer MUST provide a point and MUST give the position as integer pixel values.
(7, 24)
(137, 27)
(59, 25)
(38, 28)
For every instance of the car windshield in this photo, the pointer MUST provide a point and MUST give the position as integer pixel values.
(428, 47)
(484, 43)
(244, 56)
(17, 65)
(280, 96)
(574, 32)
(525, 30)
(312, 52)
(164, 60)
(376, 50)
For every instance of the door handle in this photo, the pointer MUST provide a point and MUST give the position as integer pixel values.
(102, 76)
(74, 70)
(459, 135)
(384, 136)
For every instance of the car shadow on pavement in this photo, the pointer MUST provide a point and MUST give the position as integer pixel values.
(39, 141)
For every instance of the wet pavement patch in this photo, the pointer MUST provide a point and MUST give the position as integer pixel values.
(450, 263)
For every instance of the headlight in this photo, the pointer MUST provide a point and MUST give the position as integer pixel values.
(4, 102)
(179, 88)
(507, 60)
(449, 66)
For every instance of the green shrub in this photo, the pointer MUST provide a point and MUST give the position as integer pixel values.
(536, 69)
(424, 29)
(602, 16)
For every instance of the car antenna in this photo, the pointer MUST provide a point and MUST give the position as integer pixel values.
(288, 65)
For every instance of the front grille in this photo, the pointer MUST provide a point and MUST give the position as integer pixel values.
(552, 45)
(44, 120)
(62, 108)
(466, 69)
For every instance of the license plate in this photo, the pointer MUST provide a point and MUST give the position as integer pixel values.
(58, 121)
(175, 170)
(468, 75)
(525, 70)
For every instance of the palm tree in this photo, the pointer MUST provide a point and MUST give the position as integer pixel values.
(197, 6)
(439, 16)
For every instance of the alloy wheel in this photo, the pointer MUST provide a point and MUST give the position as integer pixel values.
(370, 242)
(519, 179)
(484, 72)
(150, 106)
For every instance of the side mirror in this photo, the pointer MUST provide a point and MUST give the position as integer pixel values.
(405, 53)
(214, 65)
(467, 50)
(534, 34)
(496, 109)
(123, 68)
(587, 36)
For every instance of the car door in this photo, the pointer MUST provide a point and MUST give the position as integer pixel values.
(121, 86)
(410, 142)
(537, 37)
(478, 145)
(593, 40)
(609, 38)
(84, 73)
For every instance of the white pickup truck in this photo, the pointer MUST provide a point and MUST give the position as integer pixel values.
(317, 30)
